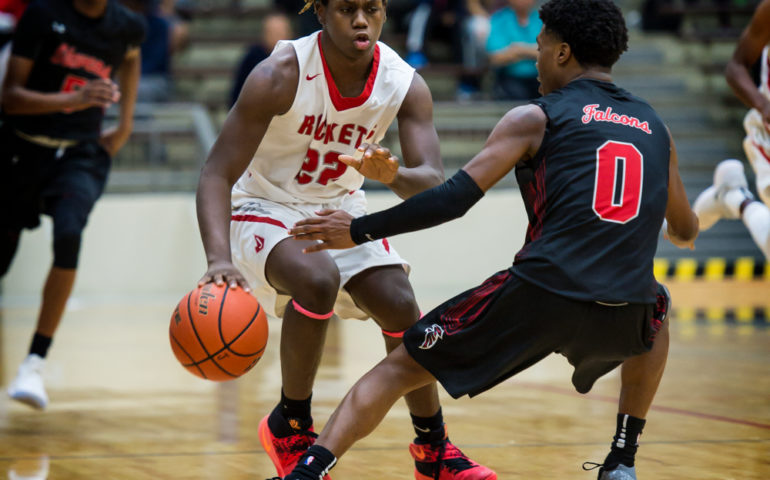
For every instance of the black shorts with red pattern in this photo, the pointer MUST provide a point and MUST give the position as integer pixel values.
(487, 334)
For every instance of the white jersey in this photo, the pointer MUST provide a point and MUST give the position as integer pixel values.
(296, 162)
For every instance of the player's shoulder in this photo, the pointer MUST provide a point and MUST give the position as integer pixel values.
(42, 10)
(126, 22)
(274, 80)
(391, 60)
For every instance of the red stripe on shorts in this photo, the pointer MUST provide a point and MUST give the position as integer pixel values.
(256, 219)
(453, 318)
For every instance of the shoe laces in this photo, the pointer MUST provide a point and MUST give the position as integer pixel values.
(297, 443)
(451, 458)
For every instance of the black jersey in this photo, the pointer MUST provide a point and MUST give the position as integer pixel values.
(69, 49)
(596, 195)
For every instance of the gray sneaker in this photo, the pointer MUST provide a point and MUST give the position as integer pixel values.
(622, 472)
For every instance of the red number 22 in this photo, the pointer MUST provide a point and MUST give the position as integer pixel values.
(333, 168)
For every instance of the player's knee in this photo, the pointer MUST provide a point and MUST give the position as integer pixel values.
(763, 188)
(317, 290)
(66, 250)
(402, 311)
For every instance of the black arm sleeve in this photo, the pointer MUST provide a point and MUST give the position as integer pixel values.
(432, 207)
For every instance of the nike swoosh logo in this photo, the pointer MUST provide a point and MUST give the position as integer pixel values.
(425, 430)
(310, 78)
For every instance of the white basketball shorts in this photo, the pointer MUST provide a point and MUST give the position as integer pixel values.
(258, 225)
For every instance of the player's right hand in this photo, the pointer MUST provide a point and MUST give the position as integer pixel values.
(224, 272)
(96, 93)
(374, 162)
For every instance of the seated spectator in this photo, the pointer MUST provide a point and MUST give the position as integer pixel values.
(512, 50)
(167, 35)
(475, 31)
(10, 12)
(304, 24)
(275, 27)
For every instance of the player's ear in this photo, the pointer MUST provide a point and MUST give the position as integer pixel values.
(320, 11)
(563, 53)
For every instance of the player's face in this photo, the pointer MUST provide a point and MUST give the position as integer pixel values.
(547, 61)
(354, 26)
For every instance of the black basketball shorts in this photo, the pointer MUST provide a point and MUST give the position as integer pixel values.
(487, 334)
(35, 180)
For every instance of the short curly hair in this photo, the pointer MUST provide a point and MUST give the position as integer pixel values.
(594, 29)
(311, 3)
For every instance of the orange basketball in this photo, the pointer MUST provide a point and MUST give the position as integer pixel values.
(217, 332)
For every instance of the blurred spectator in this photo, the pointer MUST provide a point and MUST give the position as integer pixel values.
(304, 24)
(167, 34)
(275, 27)
(475, 31)
(10, 12)
(512, 49)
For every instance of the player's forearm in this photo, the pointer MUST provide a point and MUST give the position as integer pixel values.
(433, 207)
(128, 79)
(740, 81)
(411, 181)
(23, 101)
(212, 202)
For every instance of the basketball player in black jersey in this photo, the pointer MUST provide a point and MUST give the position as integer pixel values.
(598, 172)
(55, 155)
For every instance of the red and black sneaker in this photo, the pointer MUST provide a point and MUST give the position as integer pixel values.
(443, 461)
(285, 451)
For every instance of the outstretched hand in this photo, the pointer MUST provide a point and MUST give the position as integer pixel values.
(373, 162)
(331, 227)
(224, 272)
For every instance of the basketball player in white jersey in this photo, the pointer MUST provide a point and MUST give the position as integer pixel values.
(729, 197)
(275, 162)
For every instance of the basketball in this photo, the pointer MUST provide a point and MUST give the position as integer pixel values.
(217, 332)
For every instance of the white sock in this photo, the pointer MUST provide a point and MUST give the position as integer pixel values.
(733, 199)
(756, 217)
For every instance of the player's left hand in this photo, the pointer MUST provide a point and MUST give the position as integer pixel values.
(113, 139)
(374, 162)
(331, 227)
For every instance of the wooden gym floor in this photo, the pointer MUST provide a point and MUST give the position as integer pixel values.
(122, 408)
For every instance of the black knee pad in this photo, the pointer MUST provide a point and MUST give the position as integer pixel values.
(66, 248)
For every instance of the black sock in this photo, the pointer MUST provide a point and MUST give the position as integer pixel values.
(39, 345)
(295, 408)
(625, 442)
(429, 429)
(313, 465)
(289, 416)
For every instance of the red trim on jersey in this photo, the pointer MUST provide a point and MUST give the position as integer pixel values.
(254, 218)
(762, 151)
(454, 318)
(344, 103)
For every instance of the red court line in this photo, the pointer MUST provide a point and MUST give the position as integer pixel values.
(660, 408)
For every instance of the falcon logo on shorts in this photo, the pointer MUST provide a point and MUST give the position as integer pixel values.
(433, 334)
(259, 243)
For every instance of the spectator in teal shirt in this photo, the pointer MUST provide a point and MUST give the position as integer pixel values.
(512, 50)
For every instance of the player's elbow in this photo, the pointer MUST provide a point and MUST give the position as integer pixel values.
(11, 103)
(686, 229)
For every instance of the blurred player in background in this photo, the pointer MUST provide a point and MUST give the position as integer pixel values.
(598, 172)
(55, 156)
(276, 162)
(729, 196)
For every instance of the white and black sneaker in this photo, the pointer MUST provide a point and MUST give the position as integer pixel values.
(28, 386)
